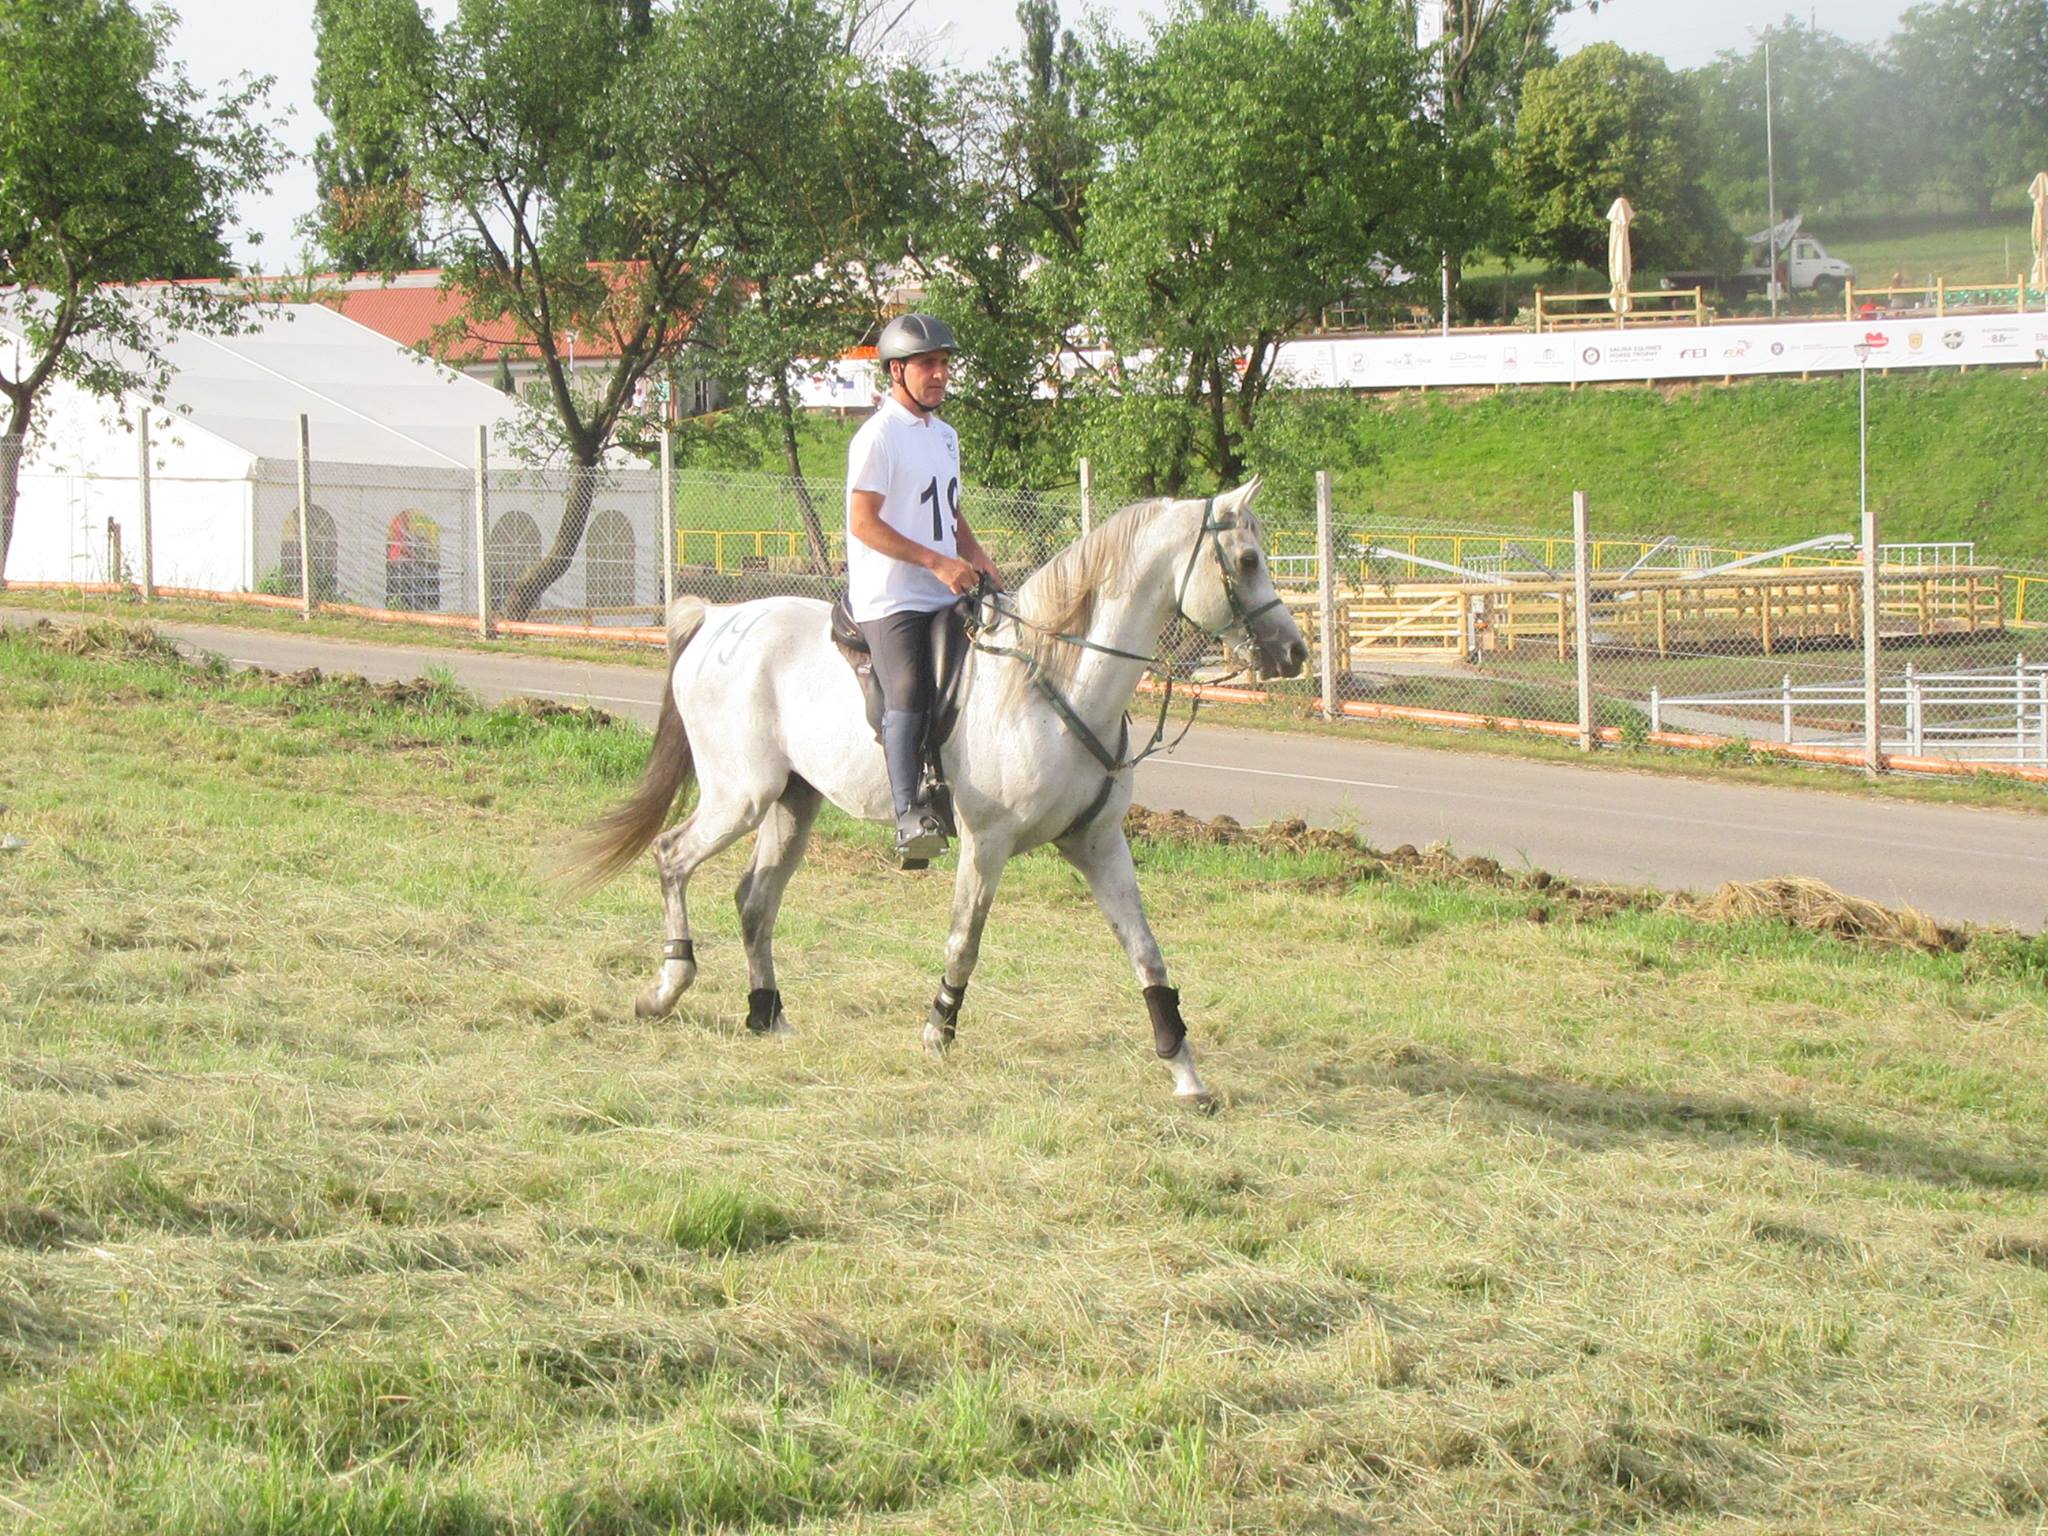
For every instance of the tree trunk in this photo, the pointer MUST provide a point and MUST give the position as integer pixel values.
(814, 531)
(13, 448)
(534, 582)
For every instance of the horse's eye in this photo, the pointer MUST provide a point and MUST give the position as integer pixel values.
(1248, 561)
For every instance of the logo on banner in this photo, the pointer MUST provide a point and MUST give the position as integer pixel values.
(1740, 349)
(1952, 339)
(1914, 340)
(1590, 356)
(1691, 352)
(1777, 349)
(1509, 358)
(1877, 341)
(2001, 338)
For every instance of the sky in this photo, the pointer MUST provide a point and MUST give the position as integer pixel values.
(217, 40)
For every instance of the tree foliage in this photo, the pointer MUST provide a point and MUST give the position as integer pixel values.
(1258, 168)
(113, 169)
(1606, 123)
(1974, 90)
(369, 214)
(1017, 147)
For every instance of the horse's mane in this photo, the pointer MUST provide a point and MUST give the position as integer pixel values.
(1059, 597)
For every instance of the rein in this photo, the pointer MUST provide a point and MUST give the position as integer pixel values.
(1115, 762)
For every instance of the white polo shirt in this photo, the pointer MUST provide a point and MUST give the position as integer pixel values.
(913, 462)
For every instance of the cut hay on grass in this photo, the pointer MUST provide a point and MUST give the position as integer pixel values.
(1817, 907)
(340, 1190)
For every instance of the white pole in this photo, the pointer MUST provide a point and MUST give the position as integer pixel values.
(483, 531)
(1087, 497)
(1326, 594)
(1873, 751)
(1916, 725)
(142, 492)
(1788, 707)
(1582, 601)
(305, 518)
(1771, 180)
(668, 519)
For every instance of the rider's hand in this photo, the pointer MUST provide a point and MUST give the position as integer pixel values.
(986, 567)
(956, 574)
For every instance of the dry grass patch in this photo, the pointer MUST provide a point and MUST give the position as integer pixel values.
(340, 1190)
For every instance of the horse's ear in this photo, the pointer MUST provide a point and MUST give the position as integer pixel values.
(1241, 498)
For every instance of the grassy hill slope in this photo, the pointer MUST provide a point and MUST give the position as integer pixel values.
(1951, 456)
(1757, 462)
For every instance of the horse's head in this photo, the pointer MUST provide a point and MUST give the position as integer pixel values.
(1227, 586)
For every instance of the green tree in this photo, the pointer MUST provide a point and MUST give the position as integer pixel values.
(113, 169)
(1488, 49)
(1606, 123)
(1975, 77)
(1020, 152)
(369, 214)
(1257, 169)
(812, 225)
(573, 165)
(1832, 99)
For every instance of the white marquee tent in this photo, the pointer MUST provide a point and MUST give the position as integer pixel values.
(393, 443)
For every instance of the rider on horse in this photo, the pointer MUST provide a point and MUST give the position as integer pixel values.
(909, 552)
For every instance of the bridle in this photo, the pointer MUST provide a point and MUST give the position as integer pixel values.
(1114, 762)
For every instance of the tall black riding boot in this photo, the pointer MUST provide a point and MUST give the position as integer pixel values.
(918, 834)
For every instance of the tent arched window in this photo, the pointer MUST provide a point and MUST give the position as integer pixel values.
(608, 562)
(412, 563)
(512, 549)
(326, 551)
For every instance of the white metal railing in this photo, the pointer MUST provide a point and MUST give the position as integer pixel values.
(1991, 714)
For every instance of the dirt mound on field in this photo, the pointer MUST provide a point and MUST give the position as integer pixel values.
(1550, 896)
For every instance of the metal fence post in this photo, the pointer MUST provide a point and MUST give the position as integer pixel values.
(1916, 722)
(1873, 741)
(483, 531)
(2044, 717)
(668, 519)
(142, 495)
(1087, 497)
(1656, 709)
(1582, 620)
(1788, 707)
(1326, 594)
(305, 518)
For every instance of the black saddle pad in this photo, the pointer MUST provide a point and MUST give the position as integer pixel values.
(949, 669)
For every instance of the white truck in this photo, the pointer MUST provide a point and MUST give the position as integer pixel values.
(1803, 266)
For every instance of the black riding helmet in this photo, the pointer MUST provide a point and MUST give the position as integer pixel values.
(909, 336)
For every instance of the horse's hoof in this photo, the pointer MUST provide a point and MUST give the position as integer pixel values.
(781, 1029)
(1199, 1103)
(936, 1042)
(656, 1003)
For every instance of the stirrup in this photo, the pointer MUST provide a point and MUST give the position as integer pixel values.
(918, 835)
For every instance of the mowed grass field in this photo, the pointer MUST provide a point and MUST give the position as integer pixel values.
(341, 1191)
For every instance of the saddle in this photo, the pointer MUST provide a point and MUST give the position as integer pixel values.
(949, 667)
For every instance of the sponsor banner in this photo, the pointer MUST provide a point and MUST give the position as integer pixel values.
(1664, 352)
(1569, 357)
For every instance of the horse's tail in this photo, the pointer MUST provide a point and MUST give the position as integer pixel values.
(612, 842)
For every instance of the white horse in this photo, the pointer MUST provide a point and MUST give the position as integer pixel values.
(765, 711)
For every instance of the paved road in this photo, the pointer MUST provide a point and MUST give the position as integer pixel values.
(1585, 823)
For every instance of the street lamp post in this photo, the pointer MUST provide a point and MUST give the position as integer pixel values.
(1771, 178)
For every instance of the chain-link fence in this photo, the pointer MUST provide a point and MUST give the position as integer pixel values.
(1679, 640)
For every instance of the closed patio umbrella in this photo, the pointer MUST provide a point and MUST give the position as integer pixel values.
(1620, 260)
(2039, 193)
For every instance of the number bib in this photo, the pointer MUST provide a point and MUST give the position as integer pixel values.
(914, 465)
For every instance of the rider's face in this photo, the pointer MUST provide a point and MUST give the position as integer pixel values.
(925, 378)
